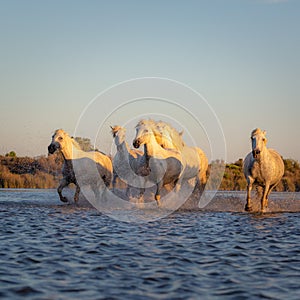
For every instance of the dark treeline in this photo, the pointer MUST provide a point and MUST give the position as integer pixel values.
(45, 172)
(26, 172)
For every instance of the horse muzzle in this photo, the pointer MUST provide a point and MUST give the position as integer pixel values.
(51, 148)
(136, 143)
(256, 153)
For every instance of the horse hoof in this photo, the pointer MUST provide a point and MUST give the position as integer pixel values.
(263, 210)
(64, 199)
(157, 198)
(248, 208)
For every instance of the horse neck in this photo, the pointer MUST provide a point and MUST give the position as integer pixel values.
(152, 147)
(123, 147)
(68, 151)
(166, 143)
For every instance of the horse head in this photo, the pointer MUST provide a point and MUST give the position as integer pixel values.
(143, 134)
(58, 141)
(119, 134)
(259, 141)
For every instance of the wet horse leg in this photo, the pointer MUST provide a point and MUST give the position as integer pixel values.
(264, 199)
(63, 183)
(248, 206)
(268, 193)
(76, 196)
(157, 194)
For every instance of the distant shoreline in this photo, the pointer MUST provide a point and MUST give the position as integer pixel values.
(45, 172)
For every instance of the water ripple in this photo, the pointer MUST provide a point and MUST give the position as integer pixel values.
(65, 252)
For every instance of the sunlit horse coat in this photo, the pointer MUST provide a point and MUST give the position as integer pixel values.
(85, 162)
(263, 167)
(194, 159)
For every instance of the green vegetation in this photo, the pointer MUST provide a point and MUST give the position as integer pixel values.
(45, 172)
(233, 178)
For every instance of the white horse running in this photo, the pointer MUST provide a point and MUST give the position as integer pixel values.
(165, 165)
(195, 160)
(263, 167)
(129, 164)
(72, 153)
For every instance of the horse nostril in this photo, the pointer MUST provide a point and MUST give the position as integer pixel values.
(136, 144)
(255, 152)
(51, 149)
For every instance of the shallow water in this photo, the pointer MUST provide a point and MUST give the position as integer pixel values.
(51, 250)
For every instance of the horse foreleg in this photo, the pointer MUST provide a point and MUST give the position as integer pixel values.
(114, 181)
(141, 189)
(200, 182)
(63, 184)
(248, 206)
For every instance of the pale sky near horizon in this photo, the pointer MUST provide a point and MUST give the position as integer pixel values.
(242, 56)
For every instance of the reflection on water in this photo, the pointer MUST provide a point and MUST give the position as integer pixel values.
(50, 250)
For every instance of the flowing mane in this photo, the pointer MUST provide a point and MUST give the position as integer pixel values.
(175, 136)
(165, 135)
(75, 144)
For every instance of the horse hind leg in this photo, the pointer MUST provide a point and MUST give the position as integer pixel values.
(76, 196)
(268, 193)
(157, 194)
(264, 199)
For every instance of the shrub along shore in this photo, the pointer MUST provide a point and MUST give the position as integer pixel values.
(44, 172)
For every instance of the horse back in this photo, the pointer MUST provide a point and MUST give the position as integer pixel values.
(103, 159)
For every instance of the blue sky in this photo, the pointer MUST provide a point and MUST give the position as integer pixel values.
(243, 56)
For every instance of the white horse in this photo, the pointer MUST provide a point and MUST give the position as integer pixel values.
(195, 160)
(165, 165)
(263, 167)
(129, 164)
(72, 153)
